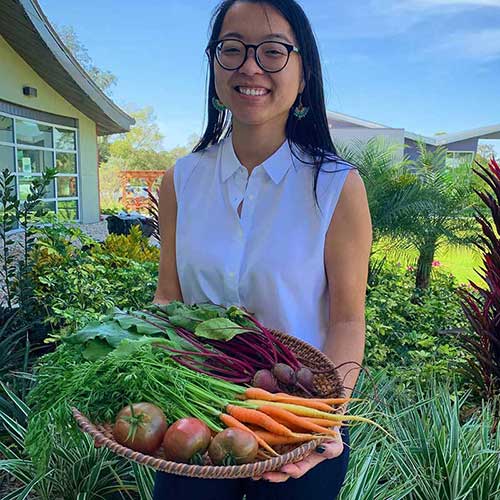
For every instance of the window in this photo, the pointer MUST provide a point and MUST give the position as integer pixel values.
(29, 147)
(456, 158)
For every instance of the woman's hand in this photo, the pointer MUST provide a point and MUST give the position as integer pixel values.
(326, 450)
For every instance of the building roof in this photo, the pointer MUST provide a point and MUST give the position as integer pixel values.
(488, 132)
(27, 30)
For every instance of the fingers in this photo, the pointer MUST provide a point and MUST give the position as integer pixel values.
(275, 477)
(332, 449)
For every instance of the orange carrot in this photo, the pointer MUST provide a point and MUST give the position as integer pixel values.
(263, 395)
(287, 416)
(274, 439)
(310, 412)
(250, 416)
(230, 421)
(308, 403)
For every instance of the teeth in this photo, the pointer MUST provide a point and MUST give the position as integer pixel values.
(248, 91)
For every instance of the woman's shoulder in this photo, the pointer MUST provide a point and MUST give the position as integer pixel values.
(197, 161)
(207, 155)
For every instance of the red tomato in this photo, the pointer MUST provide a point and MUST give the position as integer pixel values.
(141, 427)
(233, 447)
(186, 441)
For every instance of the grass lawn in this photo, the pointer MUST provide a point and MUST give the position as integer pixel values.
(461, 263)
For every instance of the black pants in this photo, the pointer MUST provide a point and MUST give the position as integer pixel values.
(323, 482)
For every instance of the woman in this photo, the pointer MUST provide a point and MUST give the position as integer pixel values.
(264, 214)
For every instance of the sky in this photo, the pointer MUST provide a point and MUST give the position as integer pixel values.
(427, 66)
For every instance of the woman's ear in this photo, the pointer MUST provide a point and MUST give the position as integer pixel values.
(302, 86)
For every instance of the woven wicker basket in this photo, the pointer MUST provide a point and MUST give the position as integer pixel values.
(328, 384)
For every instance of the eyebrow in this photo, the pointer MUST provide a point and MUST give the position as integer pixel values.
(272, 35)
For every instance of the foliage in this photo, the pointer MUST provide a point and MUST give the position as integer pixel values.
(133, 246)
(154, 212)
(437, 453)
(445, 213)
(77, 280)
(104, 79)
(419, 204)
(14, 215)
(405, 328)
(75, 467)
(483, 312)
(135, 371)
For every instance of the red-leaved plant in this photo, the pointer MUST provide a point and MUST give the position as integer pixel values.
(153, 211)
(483, 312)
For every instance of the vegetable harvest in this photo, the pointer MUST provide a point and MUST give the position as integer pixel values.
(128, 358)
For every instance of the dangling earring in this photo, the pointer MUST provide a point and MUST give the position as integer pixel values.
(217, 104)
(300, 111)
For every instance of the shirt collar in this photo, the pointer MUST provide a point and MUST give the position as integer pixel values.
(276, 166)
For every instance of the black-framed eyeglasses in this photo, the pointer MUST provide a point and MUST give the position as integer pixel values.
(231, 54)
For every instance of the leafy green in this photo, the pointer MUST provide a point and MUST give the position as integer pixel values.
(109, 331)
(95, 349)
(218, 329)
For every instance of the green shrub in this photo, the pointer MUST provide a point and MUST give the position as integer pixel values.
(405, 326)
(77, 280)
(437, 452)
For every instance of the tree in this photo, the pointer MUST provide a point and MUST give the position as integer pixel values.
(104, 79)
(486, 151)
(418, 209)
(145, 135)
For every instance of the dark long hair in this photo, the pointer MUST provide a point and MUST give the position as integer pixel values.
(311, 135)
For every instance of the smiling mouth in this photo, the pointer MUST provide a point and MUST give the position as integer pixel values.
(252, 91)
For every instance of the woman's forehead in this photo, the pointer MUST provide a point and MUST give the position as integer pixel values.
(255, 22)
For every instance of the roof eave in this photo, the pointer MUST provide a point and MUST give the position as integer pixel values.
(61, 70)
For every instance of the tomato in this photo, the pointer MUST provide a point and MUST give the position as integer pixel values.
(141, 427)
(186, 441)
(233, 447)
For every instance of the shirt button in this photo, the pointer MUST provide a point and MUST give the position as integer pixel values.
(251, 197)
(232, 275)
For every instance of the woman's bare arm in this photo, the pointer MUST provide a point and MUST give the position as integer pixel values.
(168, 287)
(347, 252)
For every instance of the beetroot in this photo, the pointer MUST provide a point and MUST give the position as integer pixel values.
(264, 379)
(284, 373)
(305, 379)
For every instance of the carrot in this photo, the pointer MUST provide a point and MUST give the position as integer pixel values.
(311, 412)
(308, 403)
(257, 393)
(258, 418)
(230, 421)
(274, 439)
(323, 422)
(263, 395)
(289, 417)
(336, 401)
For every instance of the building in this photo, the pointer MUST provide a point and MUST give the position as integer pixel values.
(51, 113)
(461, 146)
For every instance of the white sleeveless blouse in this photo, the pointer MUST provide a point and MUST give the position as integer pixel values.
(271, 261)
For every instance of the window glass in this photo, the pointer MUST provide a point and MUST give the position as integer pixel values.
(7, 158)
(65, 139)
(6, 129)
(33, 134)
(24, 183)
(67, 187)
(34, 161)
(66, 163)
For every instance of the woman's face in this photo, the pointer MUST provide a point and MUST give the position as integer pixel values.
(254, 23)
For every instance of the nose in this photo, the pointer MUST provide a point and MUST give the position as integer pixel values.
(250, 66)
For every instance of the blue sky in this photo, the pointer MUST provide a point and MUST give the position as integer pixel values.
(424, 65)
